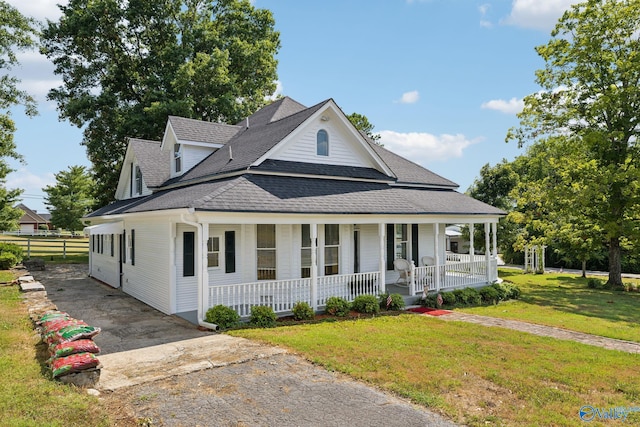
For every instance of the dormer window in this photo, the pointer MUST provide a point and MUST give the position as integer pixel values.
(322, 143)
(138, 180)
(177, 157)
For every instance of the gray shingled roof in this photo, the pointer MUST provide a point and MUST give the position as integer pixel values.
(248, 146)
(408, 172)
(278, 194)
(201, 131)
(154, 163)
(283, 107)
(284, 166)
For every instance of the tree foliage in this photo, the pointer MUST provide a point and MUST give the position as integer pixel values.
(589, 104)
(362, 123)
(70, 198)
(127, 65)
(16, 34)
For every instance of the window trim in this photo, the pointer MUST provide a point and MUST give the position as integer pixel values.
(332, 246)
(177, 158)
(220, 252)
(325, 151)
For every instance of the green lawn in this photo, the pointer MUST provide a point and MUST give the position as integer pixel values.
(28, 395)
(480, 375)
(565, 301)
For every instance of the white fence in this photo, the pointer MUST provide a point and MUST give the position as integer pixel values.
(282, 295)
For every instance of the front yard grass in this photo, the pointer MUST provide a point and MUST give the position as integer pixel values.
(564, 300)
(473, 374)
(28, 397)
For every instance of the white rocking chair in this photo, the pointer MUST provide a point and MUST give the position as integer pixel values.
(403, 267)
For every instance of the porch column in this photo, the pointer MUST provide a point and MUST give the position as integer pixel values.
(382, 267)
(204, 271)
(472, 250)
(494, 227)
(314, 266)
(436, 246)
(487, 251)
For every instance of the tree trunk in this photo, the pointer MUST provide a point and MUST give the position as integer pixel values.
(584, 268)
(615, 267)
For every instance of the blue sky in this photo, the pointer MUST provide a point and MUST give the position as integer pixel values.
(441, 80)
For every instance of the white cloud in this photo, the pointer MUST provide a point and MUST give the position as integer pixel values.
(512, 106)
(409, 97)
(32, 186)
(39, 9)
(537, 14)
(484, 9)
(279, 90)
(423, 148)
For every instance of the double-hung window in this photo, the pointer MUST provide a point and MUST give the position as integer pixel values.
(177, 157)
(138, 181)
(402, 241)
(213, 252)
(305, 251)
(331, 249)
(266, 251)
(322, 143)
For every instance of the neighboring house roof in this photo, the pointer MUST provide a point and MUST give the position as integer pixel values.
(31, 216)
(154, 163)
(282, 194)
(283, 107)
(201, 131)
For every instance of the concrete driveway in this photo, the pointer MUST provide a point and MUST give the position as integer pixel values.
(163, 370)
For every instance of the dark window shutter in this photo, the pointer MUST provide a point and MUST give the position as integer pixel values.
(123, 247)
(113, 237)
(229, 251)
(414, 243)
(189, 256)
(133, 247)
(391, 253)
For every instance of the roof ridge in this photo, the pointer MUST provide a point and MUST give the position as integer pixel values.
(204, 121)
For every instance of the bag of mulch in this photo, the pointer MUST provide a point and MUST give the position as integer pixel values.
(73, 363)
(73, 347)
(50, 327)
(53, 315)
(76, 332)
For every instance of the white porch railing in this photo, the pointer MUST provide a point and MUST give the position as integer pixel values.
(452, 276)
(347, 286)
(282, 295)
(453, 257)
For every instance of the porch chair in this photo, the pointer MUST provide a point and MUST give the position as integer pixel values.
(403, 267)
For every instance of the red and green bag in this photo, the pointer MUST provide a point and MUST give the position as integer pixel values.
(74, 347)
(73, 363)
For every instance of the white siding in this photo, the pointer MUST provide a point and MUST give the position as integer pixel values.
(425, 242)
(104, 267)
(346, 249)
(369, 248)
(343, 148)
(284, 253)
(192, 155)
(149, 279)
(129, 185)
(217, 276)
(248, 251)
(186, 287)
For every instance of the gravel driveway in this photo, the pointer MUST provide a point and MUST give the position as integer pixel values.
(172, 374)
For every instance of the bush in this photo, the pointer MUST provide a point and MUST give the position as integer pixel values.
(223, 316)
(502, 292)
(302, 311)
(430, 301)
(263, 316)
(448, 298)
(397, 302)
(7, 260)
(366, 304)
(11, 248)
(513, 292)
(489, 295)
(337, 306)
(472, 296)
(593, 283)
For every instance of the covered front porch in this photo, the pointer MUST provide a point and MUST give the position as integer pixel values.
(345, 256)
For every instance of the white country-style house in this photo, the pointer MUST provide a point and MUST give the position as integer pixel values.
(291, 204)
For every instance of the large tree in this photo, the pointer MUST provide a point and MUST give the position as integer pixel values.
(16, 34)
(70, 198)
(591, 96)
(128, 64)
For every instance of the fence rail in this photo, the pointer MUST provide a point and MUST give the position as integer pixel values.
(50, 247)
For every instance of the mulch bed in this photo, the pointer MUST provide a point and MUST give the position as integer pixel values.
(430, 311)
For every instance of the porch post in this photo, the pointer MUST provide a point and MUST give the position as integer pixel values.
(382, 263)
(314, 266)
(436, 246)
(472, 250)
(202, 265)
(494, 227)
(487, 251)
